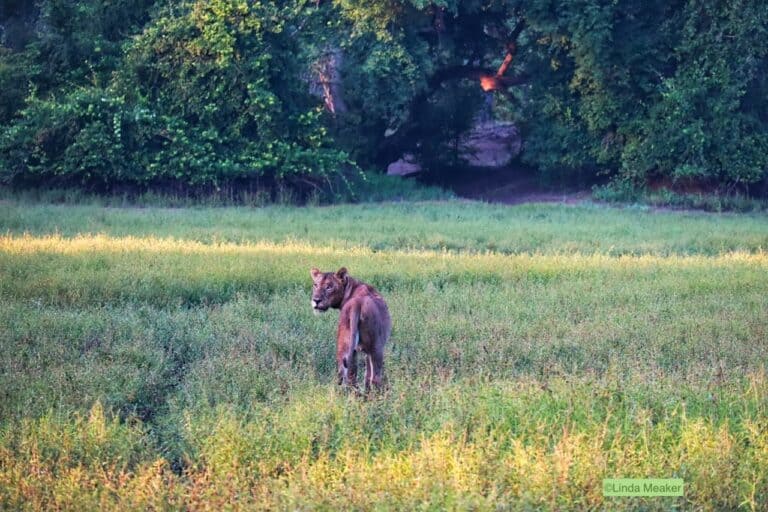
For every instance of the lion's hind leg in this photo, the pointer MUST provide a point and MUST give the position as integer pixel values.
(352, 368)
(347, 341)
(368, 371)
(374, 367)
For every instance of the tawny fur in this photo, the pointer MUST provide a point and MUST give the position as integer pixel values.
(364, 323)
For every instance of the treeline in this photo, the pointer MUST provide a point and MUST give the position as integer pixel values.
(300, 94)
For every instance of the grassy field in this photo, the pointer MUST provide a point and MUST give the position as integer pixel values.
(169, 359)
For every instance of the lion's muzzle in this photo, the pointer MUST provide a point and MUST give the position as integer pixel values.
(318, 307)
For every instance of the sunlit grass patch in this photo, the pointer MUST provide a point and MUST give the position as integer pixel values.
(83, 268)
(448, 225)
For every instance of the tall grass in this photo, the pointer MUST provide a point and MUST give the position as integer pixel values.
(168, 359)
(373, 187)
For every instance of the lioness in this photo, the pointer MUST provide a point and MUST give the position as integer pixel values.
(364, 323)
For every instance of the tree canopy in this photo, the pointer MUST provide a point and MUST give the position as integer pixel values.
(202, 93)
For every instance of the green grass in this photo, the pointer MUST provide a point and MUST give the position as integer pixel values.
(168, 358)
(454, 226)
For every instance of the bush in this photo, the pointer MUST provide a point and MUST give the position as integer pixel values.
(624, 191)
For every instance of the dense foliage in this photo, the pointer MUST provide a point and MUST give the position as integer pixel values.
(205, 94)
(230, 91)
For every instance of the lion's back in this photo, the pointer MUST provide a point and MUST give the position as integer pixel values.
(375, 320)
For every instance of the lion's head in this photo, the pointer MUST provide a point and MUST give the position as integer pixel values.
(327, 289)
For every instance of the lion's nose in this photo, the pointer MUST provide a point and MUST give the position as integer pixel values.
(315, 301)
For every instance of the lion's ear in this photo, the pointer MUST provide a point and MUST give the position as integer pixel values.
(342, 273)
(315, 273)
